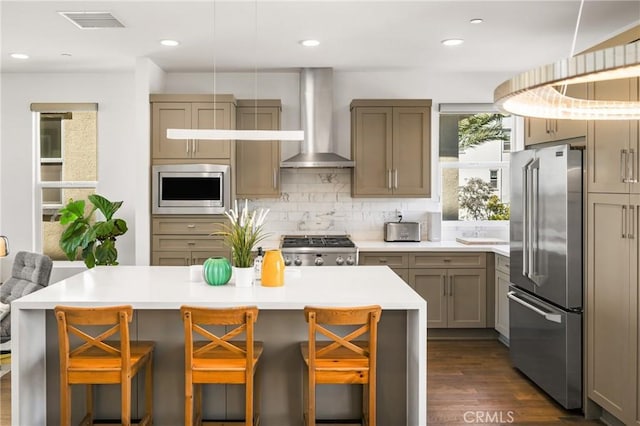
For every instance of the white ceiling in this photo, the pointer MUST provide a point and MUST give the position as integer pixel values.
(355, 35)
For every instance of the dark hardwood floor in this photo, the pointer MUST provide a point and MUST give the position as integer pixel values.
(472, 382)
(468, 382)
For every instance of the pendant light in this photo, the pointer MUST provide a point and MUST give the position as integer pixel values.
(541, 92)
(232, 134)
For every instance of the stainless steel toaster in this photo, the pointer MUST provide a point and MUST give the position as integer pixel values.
(402, 231)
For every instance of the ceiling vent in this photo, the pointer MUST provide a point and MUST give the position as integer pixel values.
(92, 20)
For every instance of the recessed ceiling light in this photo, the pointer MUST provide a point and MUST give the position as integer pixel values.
(66, 54)
(452, 41)
(19, 56)
(309, 43)
(171, 43)
(476, 21)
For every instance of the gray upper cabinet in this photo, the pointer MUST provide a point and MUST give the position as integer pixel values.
(190, 112)
(540, 130)
(612, 145)
(391, 146)
(258, 162)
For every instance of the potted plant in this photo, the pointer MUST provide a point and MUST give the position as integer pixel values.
(96, 239)
(242, 234)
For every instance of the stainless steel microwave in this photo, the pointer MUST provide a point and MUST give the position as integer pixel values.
(190, 189)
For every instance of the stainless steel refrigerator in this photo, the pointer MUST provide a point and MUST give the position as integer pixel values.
(545, 298)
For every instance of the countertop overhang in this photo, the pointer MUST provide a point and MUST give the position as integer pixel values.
(383, 246)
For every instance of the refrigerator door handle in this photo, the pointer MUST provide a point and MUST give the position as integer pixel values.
(533, 219)
(557, 318)
(526, 202)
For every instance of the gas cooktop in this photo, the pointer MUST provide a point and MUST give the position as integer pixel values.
(317, 241)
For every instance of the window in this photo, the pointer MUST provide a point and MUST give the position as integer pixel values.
(66, 153)
(474, 160)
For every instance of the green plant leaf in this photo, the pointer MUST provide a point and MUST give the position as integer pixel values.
(73, 211)
(89, 257)
(103, 230)
(106, 207)
(72, 239)
(120, 227)
(106, 253)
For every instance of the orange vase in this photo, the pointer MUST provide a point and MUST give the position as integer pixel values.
(273, 269)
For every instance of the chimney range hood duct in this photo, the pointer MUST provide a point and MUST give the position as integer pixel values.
(316, 105)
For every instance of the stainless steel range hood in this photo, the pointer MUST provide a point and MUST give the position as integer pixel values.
(316, 105)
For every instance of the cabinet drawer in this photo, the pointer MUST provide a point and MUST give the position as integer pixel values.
(196, 226)
(502, 264)
(447, 260)
(179, 242)
(394, 260)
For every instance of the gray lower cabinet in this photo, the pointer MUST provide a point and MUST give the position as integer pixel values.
(185, 240)
(454, 284)
(456, 297)
(502, 302)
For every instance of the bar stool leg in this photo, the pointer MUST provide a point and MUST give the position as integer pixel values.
(188, 400)
(125, 401)
(65, 401)
(89, 396)
(198, 404)
(148, 390)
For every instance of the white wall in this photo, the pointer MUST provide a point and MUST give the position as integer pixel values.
(123, 141)
(114, 94)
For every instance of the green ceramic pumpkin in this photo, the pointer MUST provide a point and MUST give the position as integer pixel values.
(216, 270)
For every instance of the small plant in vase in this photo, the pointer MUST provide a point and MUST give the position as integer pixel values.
(242, 234)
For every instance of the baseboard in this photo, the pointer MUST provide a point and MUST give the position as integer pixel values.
(461, 334)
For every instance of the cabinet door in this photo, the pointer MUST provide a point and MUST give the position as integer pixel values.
(411, 152)
(258, 163)
(372, 149)
(170, 115)
(402, 273)
(609, 352)
(634, 292)
(211, 116)
(502, 303)
(431, 284)
(536, 130)
(609, 142)
(171, 258)
(566, 129)
(467, 298)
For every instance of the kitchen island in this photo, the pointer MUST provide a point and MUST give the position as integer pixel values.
(156, 293)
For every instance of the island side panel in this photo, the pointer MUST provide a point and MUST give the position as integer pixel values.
(28, 366)
(417, 367)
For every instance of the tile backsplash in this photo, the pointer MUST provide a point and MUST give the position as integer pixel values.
(318, 201)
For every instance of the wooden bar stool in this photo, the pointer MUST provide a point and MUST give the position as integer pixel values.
(219, 359)
(341, 359)
(99, 361)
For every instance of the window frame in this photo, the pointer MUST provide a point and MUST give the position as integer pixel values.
(516, 144)
(39, 208)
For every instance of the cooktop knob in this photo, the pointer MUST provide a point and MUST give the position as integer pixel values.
(297, 262)
(339, 260)
(319, 261)
(287, 261)
(350, 261)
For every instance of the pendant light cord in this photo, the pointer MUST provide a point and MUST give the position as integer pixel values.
(214, 64)
(575, 38)
(255, 67)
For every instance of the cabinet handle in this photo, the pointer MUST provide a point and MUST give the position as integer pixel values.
(188, 143)
(191, 225)
(546, 126)
(191, 243)
(632, 173)
(187, 261)
(632, 225)
(444, 285)
(275, 179)
(382, 260)
(623, 165)
(451, 285)
(395, 178)
(624, 221)
(555, 126)
(389, 178)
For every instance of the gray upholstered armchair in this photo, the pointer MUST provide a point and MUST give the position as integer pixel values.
(30, 272)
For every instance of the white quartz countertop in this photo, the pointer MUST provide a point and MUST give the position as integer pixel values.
(169, 287)
(369, 246)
